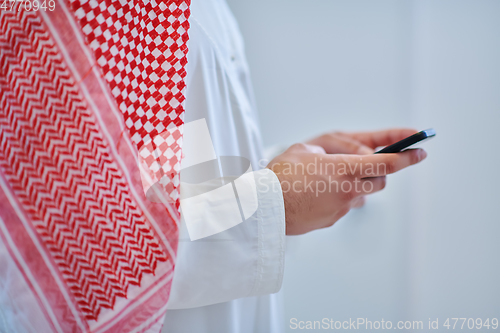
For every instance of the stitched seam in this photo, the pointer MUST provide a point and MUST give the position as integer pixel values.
(258, 276)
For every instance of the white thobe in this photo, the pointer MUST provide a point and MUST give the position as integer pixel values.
(227, 282)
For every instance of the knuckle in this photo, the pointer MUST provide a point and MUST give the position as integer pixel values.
(298, 146)
(390, 167)
(414, 158)
(352, 146)
(339, 133)
(329, 136)
(348, 195)
(382, 182)
(315, 149)
(348, 172)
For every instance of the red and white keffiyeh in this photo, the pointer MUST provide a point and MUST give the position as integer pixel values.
(86, 90)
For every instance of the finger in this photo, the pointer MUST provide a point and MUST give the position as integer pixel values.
(358, 202)
(363, 166)
(382, 138)
(372, 185)
(338, 143)
(306, 148)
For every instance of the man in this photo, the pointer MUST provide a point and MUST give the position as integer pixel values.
(227, 282)
(86, 87)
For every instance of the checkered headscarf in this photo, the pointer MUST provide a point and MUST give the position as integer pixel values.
(87, 93)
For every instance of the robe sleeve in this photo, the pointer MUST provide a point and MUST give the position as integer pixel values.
(245, 260)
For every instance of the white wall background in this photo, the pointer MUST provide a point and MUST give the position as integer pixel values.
(429, 245)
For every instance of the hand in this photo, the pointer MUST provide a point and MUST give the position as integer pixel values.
(320, 187)
(362, 143)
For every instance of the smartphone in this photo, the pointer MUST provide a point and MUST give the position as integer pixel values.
(408, 142)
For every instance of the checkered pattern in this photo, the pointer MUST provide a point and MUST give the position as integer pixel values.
(160, 159)
(82, 238)
(141, 49)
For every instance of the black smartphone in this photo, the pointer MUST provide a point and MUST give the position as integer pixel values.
(408, 142)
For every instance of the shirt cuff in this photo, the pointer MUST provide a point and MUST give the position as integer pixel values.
(271, 234)
(245, 260)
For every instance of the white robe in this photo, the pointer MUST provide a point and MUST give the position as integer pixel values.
(227, 282)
